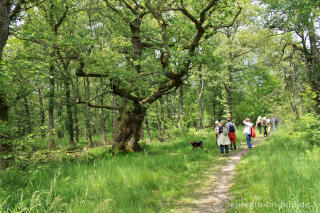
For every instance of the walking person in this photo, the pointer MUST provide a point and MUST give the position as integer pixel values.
(247, 131)
(268, 124)
(216, 129)
(275, 123)
(232, 133)
(223, 138)
(264, 125)
(259, 124)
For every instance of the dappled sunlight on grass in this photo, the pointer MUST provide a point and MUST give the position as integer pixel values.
(280, 176)
(155, 179)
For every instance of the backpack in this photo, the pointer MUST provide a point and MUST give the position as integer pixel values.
(253, 132)
(225, 131)
(232, 128)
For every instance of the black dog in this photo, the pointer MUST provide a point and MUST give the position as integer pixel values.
(196, 144)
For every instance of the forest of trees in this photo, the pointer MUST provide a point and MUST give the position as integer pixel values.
(115, 71)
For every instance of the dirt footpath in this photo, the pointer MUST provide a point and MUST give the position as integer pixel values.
(216, 195)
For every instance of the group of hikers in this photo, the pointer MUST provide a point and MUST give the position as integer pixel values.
(226, 132)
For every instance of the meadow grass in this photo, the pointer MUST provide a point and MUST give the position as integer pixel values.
(281, 175)
(152, 181)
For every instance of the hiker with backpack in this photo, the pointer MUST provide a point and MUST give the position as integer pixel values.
(223, 138)
(232, 133)
(259, 124)
(247, 131)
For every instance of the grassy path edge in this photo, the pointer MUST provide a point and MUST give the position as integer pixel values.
(216, 194)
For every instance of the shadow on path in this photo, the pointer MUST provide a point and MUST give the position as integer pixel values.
(216, 196)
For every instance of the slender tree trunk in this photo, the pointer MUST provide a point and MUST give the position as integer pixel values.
(75, 106)
(214, 102)
(229, 86)
(128, 128)
(162, 118)
(181, 111)
(114, 112)
(200, 125)
(102, 119)
(314, 65)
(28, 116)
(88, 117)
(168, 107)
(69, 121)
(52, 143)
(158, 119)
(42, 113)
(60, 132)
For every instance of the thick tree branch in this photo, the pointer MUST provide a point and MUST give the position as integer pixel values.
(96, 106)
(81, 73)
(203, 12)
(60, 21)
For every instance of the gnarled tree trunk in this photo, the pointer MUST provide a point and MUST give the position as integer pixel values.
(127, 132)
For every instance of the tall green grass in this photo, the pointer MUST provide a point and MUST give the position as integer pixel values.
(281, 175)
(139, 182)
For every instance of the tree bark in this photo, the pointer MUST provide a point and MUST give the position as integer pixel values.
(168, 107)
(88, 117)
(52, 143)
(69, 121)
(200, 125)
(181, 110)
(314, 65)
(4, 32)
(60, 132)
(75, 107)
(162, 117)
(102, 118)
(4, 24)
(229, 90)
(128, 127)
(147, 125)
(158, 119)
(3, 108)
(42, 113)
(114, 112)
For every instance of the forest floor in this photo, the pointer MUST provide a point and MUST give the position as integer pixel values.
(215, 194)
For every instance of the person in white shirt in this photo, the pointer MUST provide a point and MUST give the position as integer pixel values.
(247, 131)
(216, 129)
(268, 124)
